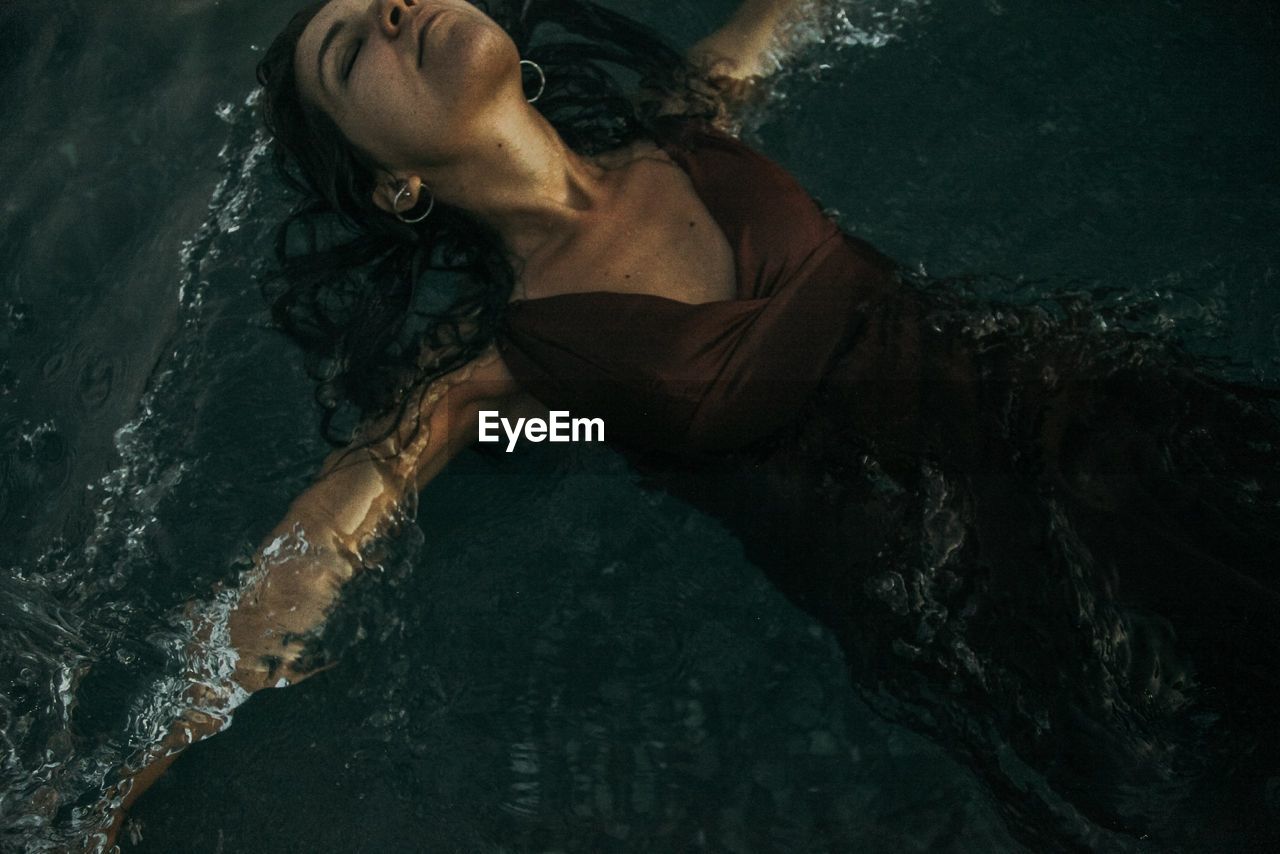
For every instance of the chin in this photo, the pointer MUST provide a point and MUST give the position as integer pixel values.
(478, 62)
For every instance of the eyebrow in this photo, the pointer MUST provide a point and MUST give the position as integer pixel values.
(324, 47)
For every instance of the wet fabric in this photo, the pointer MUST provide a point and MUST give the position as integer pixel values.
(1049, 543)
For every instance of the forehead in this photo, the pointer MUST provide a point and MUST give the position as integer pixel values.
(307, 53)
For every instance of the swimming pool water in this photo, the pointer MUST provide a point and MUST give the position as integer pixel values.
(557, 660)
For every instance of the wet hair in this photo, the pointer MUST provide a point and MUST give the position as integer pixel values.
(381, 308)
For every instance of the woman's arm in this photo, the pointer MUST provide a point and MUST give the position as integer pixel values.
(744, 51)
(254, 636)
(744, 46)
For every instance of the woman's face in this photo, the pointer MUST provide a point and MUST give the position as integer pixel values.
(408, 82)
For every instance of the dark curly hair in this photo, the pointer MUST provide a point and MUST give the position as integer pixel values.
(382, 308)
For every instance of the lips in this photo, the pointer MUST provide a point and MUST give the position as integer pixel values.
(427, 21)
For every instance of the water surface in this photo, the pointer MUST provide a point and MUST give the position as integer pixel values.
(560, 660)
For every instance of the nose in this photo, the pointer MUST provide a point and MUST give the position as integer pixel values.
(393, 13)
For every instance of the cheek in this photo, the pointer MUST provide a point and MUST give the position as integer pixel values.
(398, 119)
(471, 64)
(388, 115)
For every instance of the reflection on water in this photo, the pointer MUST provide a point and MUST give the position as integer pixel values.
(557, 659)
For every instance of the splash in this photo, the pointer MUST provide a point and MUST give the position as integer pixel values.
(69, 613)
(816, 37)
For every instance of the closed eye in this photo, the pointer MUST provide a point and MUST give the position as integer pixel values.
(351, 61)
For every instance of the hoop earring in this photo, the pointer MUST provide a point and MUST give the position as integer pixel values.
(542, 78)
(403, 192)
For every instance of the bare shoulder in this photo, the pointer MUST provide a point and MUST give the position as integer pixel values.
(638, 150)
(640, 170)
(643, 170)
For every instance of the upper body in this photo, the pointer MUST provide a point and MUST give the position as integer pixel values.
(431, 92)
(441, 108)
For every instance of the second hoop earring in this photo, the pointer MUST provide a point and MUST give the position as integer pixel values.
(403, 192)
(542, 78)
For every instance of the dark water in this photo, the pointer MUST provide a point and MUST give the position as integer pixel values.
(559, 660)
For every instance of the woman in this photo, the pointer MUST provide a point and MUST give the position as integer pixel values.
(1029, 532)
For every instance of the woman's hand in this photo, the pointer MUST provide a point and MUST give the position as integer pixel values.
(741, 55)
(745, 46)
(256, 634)
(139, 774)
(243, 639)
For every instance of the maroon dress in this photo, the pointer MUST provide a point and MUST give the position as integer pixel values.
(1052, 547)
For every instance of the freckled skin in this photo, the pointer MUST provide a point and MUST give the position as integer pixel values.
(401, 115)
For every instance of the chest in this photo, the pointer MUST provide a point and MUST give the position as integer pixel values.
(656, 237)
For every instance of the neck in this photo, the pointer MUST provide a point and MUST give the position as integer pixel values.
(521, 179)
